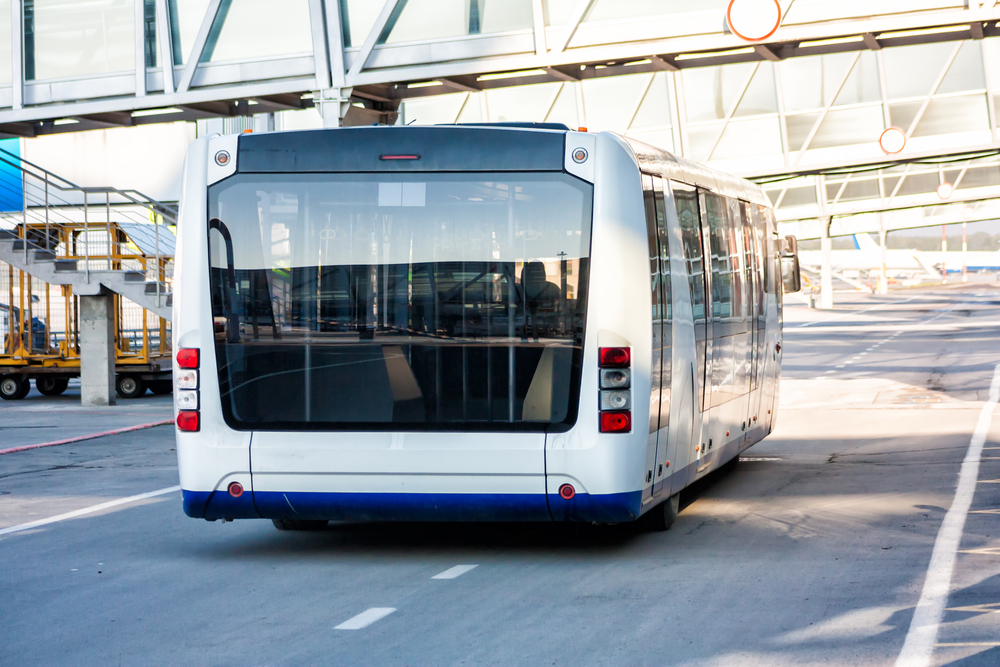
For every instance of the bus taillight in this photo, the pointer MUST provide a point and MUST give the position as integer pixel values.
(188, 420)
(615, 398)
(614, 357)
(187, 358)
(616, 422)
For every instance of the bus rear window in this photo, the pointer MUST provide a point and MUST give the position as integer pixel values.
(400, 301)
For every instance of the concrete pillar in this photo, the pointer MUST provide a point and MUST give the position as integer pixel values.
(883, 277)
(826, 269)
(97, 350)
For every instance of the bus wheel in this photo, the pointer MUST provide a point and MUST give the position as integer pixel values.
(14, 387)
(130, 386)
(664, 515)
(299, 524)
(161, 387)
(51, 385)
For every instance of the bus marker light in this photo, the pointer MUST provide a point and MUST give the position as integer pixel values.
(187, 379)
(188, 420)
(235, 489)
(615, 378)
(666, 464)
(187, 358)
(566, 492)
(579, 155)
(616, 422)
(187, 399)
(614, 357)
(615, 400)
(398, 157)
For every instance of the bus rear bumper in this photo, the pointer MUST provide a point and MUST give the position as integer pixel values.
(219, 505)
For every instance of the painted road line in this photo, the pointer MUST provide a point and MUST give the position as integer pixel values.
(918, 648)
(365, 618)
(841, 365)
(853, 312)
(87, 510)
(81, 438)
(454, 572)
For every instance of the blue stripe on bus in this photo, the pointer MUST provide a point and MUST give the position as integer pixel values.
(604, 508)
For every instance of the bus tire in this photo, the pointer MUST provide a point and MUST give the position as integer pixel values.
(161, 387)
(130, 386)
(663, 516)
(14, 387)
(299, 524)
(51, 385)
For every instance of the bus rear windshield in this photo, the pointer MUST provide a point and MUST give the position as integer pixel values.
(411, 301)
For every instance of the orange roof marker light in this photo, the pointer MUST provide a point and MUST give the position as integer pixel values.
(753, 20)
(581, 129)
(247, 132)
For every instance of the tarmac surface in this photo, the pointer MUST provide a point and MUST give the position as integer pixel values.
(813, 550)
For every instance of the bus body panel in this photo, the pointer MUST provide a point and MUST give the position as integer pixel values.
(605, 464)
(205, 464)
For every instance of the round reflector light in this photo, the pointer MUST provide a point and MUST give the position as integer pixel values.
(235, 489)
(222, 158)
(945, 190)
(579, 155)
(753, 20)
(892, 141)
(566, 492)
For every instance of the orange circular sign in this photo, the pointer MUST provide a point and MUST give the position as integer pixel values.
(753, 20)
(892, 141)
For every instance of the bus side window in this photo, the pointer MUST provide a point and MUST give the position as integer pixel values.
(664, 244)
(689, 216)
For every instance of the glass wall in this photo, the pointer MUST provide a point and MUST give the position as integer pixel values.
(63, 38)
(240, 34)
(5, 64)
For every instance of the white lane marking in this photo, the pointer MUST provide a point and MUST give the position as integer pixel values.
(841, 366)
(831, 372)
(87, 510)
(365, 618)
(852, 312)
(454, 572)
(919, 645)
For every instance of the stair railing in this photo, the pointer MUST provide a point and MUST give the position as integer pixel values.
(53, 185)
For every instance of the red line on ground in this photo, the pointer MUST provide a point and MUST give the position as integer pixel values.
(85, 437)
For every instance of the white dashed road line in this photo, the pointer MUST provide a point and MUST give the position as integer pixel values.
(918, 648)
(87, 510)
(454, 572)
(365, 618)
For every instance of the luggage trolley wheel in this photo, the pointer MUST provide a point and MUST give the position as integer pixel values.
(130, 386)
(14, 387)
(51, 385)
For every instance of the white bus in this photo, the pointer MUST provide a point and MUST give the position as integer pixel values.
(466, 323)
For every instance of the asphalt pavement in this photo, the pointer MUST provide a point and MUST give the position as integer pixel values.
(813, 550)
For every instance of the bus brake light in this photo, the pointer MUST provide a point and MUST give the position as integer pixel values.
(616, 422)
(187, 358)
(615, 357)
(188, 420)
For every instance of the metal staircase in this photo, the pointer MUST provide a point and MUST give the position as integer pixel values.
(94, 239)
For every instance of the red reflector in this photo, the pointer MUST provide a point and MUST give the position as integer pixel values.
(615, 357)
(398, 157)
(236, 489)
(188, 420)
(566, 491)
(616, 422)
(187, 358)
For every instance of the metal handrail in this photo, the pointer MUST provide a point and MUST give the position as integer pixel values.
(159, 211)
